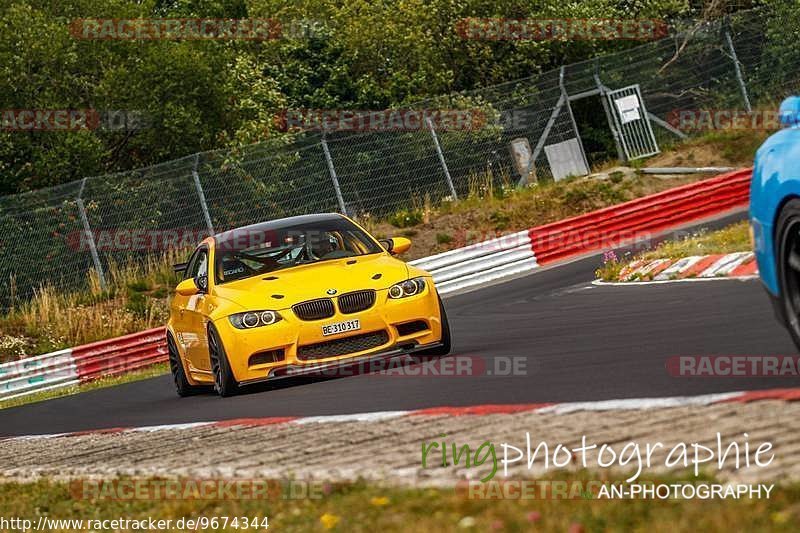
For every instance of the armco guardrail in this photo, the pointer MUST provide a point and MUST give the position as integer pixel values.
(480, 262)
(43, 372)
(84, 363)
(474, 265)
(120, 355)
(643, 217)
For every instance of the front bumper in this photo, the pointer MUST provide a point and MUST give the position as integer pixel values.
(343, 367)
(766, 255)
(289, 334)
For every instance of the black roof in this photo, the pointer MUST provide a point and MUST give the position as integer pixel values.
(278, 223)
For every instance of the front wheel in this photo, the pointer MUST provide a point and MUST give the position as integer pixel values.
(182, 385)
(224, 382)
(444, 349)
(788, 263)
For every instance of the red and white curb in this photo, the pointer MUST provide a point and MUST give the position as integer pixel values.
(629, 404)
(738, 265)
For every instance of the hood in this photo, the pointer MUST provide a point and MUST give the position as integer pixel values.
(307, 282)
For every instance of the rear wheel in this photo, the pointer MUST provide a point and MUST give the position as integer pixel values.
(182, 385)
(788, 263)
(224, 382)
(444, 349)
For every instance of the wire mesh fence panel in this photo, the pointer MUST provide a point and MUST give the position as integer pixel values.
(136, 215)
(387, 171)
(768, 54)
(41, 243)
(701, 66)
(257, 185)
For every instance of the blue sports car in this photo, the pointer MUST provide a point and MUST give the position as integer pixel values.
(775, 216)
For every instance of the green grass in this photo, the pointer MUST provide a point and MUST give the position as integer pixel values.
(144, 373)
(365, 507)
(733, 238)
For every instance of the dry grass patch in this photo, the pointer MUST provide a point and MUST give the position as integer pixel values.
(137, 298)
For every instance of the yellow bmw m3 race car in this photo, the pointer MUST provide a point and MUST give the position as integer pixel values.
(296, 296)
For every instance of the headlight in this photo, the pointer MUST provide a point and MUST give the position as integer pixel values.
(409, 287)
(254, 319)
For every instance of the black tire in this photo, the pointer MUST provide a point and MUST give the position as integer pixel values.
(787, 245)
(444, 349)
(182, 385)
(224, 382)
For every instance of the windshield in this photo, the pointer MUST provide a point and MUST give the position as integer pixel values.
(248, 252)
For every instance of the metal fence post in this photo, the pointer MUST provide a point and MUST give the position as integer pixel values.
(90, 237)
(737, 69)
(606, 108)
(441, 158)
(199, 187)
(565, 95)
(334, 177)
(542, 139)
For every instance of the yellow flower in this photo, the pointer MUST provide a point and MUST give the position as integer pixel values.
(379, 501)
(780, 517)
(329, 521)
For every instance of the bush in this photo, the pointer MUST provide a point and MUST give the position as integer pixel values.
(500, 219)
(139, 286)
(405, 218)
(138, 304)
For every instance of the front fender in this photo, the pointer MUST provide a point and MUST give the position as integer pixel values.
(776, 180)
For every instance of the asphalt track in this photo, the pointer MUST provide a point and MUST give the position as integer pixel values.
(576, 341)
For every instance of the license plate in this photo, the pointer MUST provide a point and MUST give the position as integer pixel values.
(341, 327)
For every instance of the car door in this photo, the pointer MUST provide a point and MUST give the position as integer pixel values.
(190, 323)
(179, 317)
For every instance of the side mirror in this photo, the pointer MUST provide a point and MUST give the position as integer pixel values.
(187, 287)
(396, 245)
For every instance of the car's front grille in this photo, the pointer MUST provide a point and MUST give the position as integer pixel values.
(314, 309)
(334, 348)
(353, 302)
